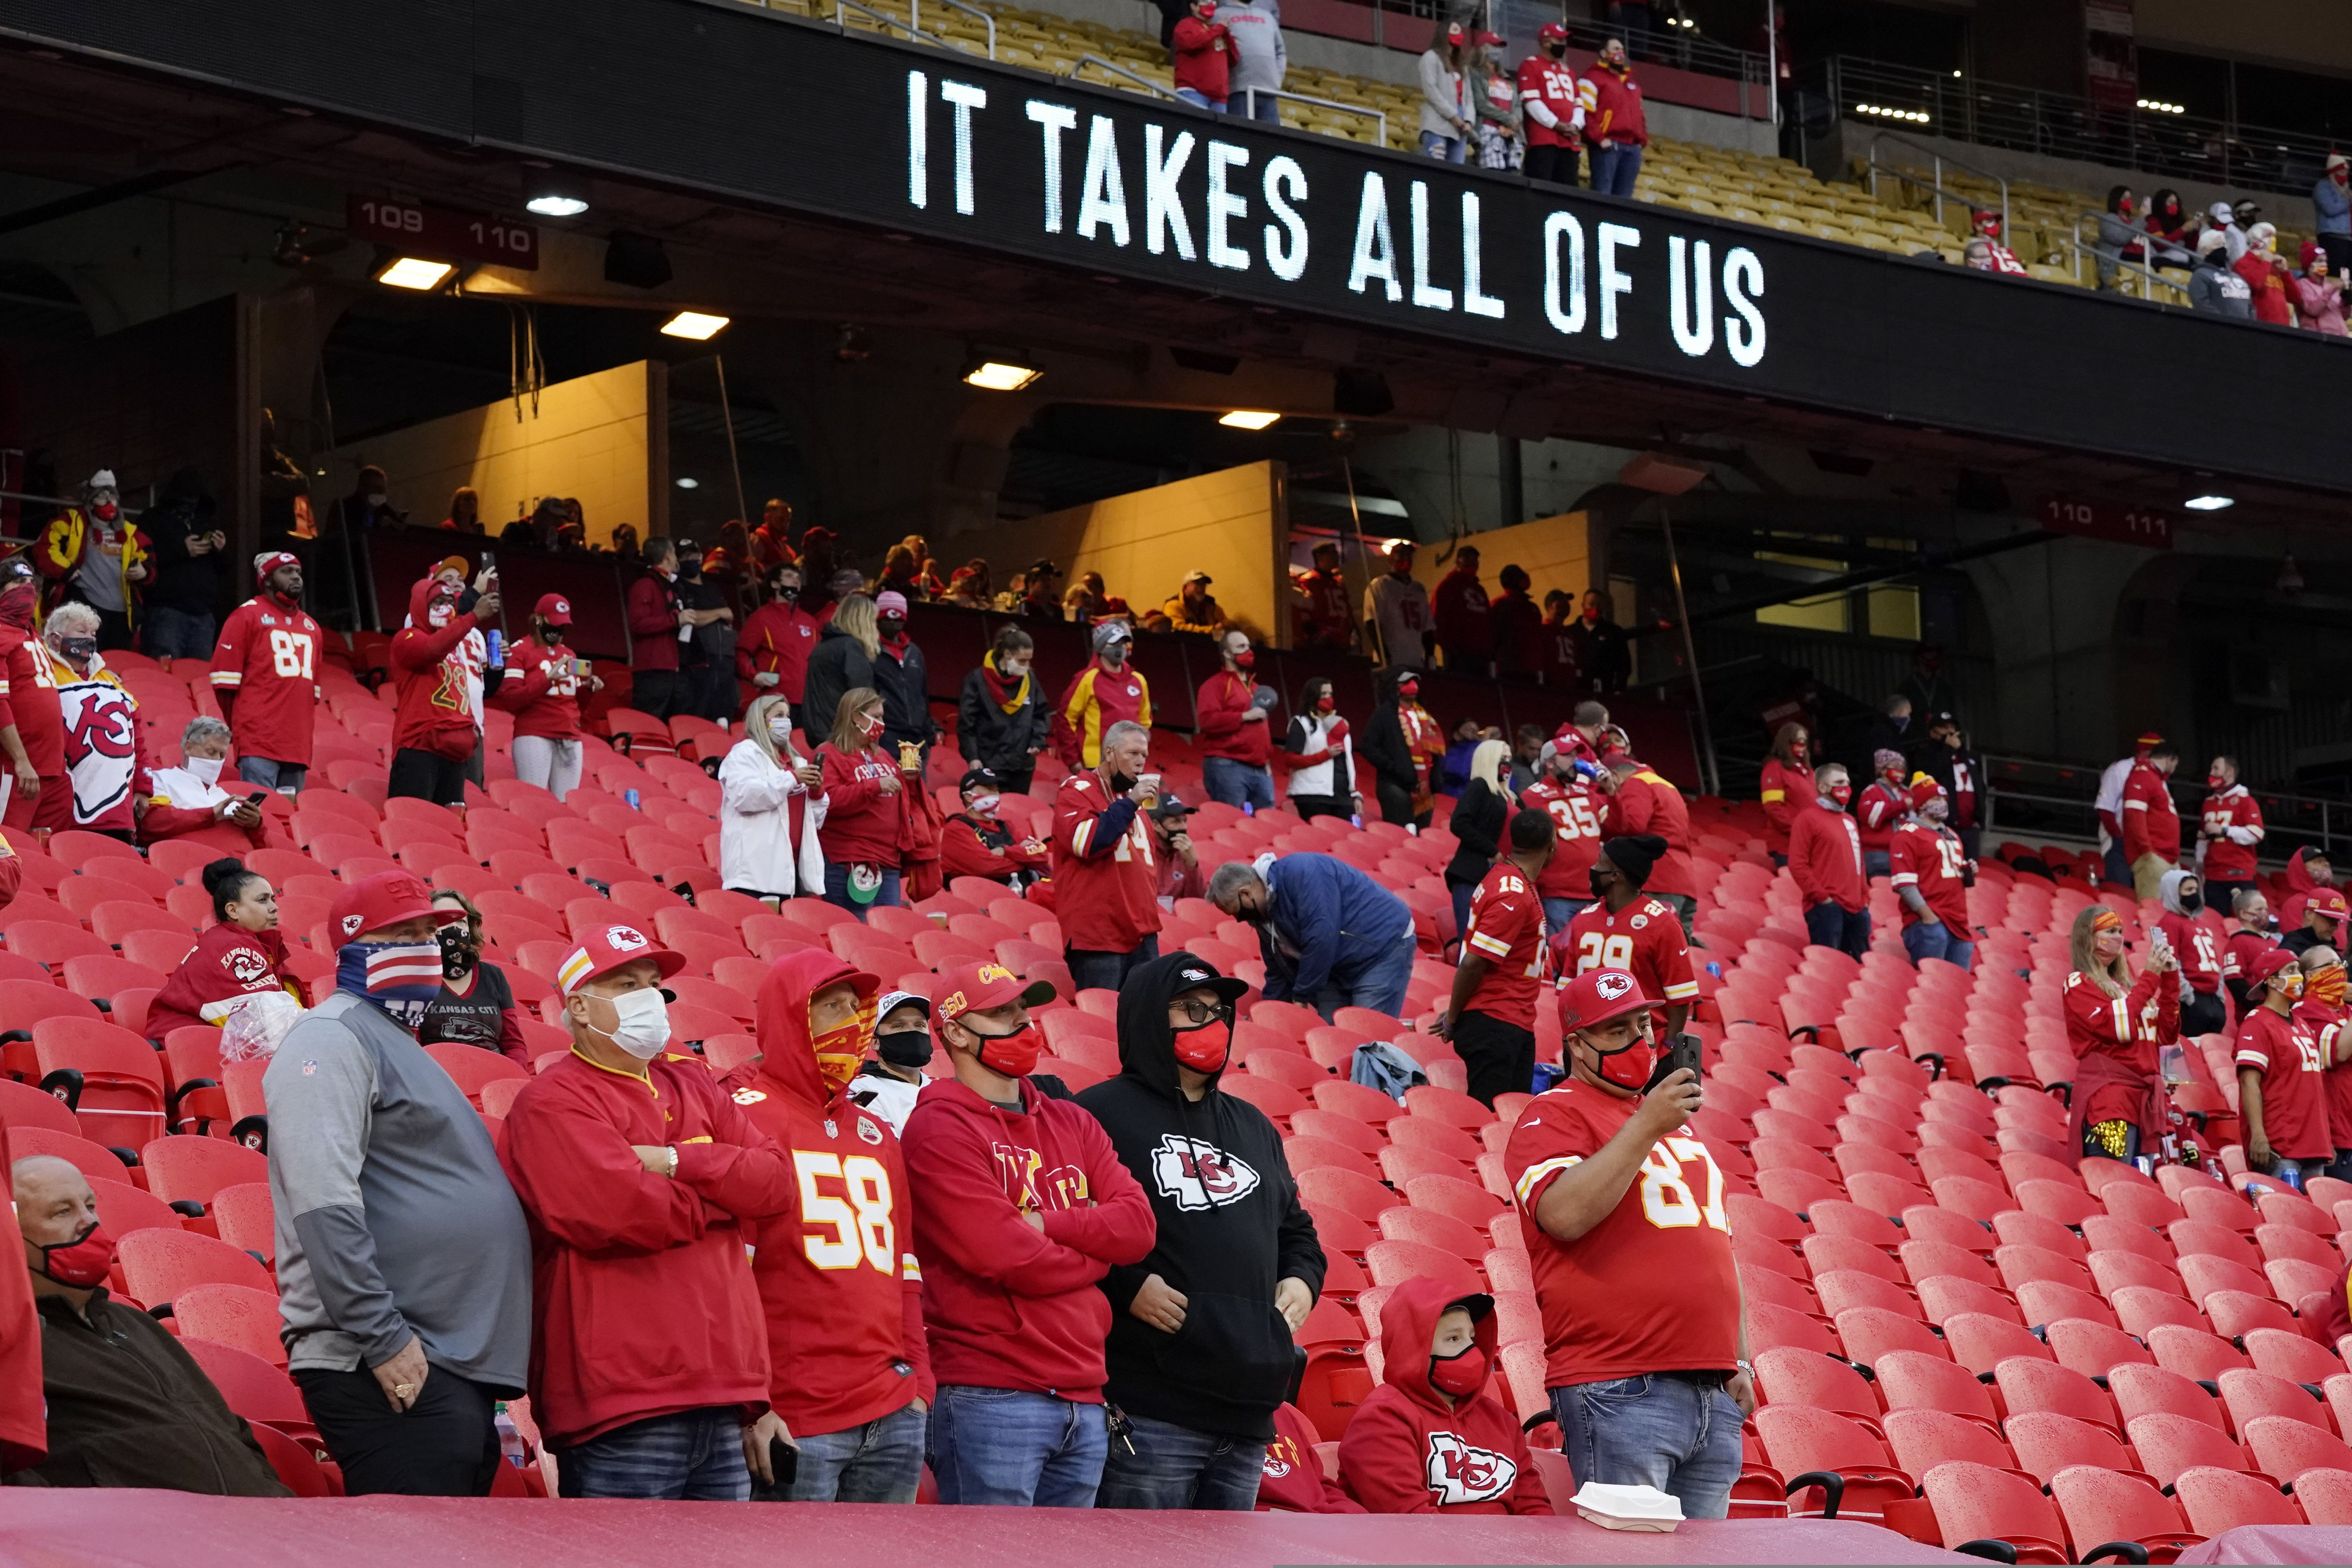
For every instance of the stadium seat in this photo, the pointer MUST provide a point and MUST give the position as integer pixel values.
(2217, 1499)
(1922, 1439)
(184, 1170)
(246, 1219)
(2104, 1503)
(235, 1315)
(1909, 1380)
(2046, 1443)
(1977, 1503)
(158, 1264)
(261, 1392)
(1802, 1442)
(2167, 1444)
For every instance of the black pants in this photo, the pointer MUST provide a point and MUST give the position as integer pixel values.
(1552, 165)
(446, 1445)
(658, 692)
(1013, 780)
(2204, 1013)
(474, 763)
(422, 776)
(1501, 1058)
(1396, 805)
(1093, 968)
(1310, 806)
(113, 630)
(2116, 1140)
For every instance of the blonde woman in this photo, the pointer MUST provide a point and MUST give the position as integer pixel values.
(2115, 1024)
(1480, 814)
(842, 661)
(771, 804)
(866, 829)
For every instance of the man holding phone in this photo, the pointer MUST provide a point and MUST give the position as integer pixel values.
(1491, 1016)
(1622, 1206)
(1105, 876)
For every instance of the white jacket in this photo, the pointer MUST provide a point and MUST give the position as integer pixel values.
(756, 849)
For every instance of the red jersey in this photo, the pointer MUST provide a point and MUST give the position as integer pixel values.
(1931, 860)
(542, 690)
(30, 694)
(1221, 711)
(1644, 939)
(1458, 606)
(1825, 858)
(2235, 819)
(2286, 1052)
(1646, 803)
(24, 1410)
(1506, 925)
(268, 656)
(2128, 1027)
(1106, 885)
(2243, 947)
(1650, 1289)
(1876, 811)
(2151, 825)
(2202, 946)
(777, 639)
(982, 846)
(1324, 620)
(1551, 83)
(1784, 788)
(2335, 1076)
(862, 825)
(437, 708)
(1576, 844)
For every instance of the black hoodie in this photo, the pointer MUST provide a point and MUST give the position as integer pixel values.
(1229, 1227)
(190, 583)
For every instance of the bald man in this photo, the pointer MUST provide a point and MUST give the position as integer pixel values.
(128, 1407)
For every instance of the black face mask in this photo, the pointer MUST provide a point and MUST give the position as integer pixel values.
(890, 625)
(1121, 783)
(904, 1047)
(1256, 914)
(456, 956)
(1598, 882)
(2192, 903)
(549, 634)
(784, 595)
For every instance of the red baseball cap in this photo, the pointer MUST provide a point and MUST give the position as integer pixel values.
(385, 898)
(264, 565)
(1549, 31)
(2268, 964)
(605, 948)
(976, 987)
(1598, 995)
(2328, 901)
(554, 609)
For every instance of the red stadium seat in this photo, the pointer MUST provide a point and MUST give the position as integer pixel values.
(2046, 1443)
(2103, 1504)
(253, 1388)
(247, 1219)
(2167, 1444)
(1802, 1442)
(2215, 1500)
(233, 1315)
(1976, 1503)
(112, 1077)
(1910, 1381)
(2093, 1348)
(1793, 1376)
(191, 1170)
(1922, 1439)
(158, 1264)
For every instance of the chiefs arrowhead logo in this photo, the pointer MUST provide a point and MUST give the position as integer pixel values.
(1458, 1472)
(1612, 985)
(1199, 1175)
(625, 939)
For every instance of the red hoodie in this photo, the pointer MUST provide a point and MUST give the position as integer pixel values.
(1825, 856)
(863, 826)
(1408, 1451)
(837, 1269)
(1292, 1479)
(1224, 732)
(1466, 626)
(1009, 1306)
(1203, 57)
(434, 713)
(2300, 885)
(642, 1302)
(777, 640)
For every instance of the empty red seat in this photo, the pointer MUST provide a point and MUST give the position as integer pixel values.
(1976, 1502)
(158, 1264)
(2103, 1504)
(234, 1315)
(2215, 1498)
(181, 1169)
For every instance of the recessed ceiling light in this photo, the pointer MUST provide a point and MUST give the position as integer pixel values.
(415, 272)
(2210, 502)
(696, 324)
(996, 375)
(686, 483)
(1249, 419)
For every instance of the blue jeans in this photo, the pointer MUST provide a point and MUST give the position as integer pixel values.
(881, 1461)
(1009, 1447)
(1923, 941)
(1680, 1436)
(1445, 149)
(270, 773)
(1831, 924)
(1175, 1466)
(2119, 869)
(1377, 980)
(1230, 783)
(695, 1455)
(1614, 170)
(1558, 913)
(1463, 894)
(1214, 105)
(1091, 969)
(1268, 109)
(167, 632)
(837, 888)
(1877, 863)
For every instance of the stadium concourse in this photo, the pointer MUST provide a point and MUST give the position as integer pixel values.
(1977, 1336)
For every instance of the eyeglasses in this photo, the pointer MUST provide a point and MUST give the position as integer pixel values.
(1198, 1012)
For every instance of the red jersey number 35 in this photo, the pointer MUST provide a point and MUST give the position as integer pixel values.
(1681, 1185)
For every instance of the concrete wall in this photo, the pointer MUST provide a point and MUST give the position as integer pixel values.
(602, 439)
(1232, 524)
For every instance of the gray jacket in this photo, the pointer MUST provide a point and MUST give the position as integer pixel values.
(1260, 58)
(1440, 96)
(393, 1216)
(2332, 204)
(2218, 291)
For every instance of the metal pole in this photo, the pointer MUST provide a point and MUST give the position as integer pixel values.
(1690, 652)
(1771, 65)
(742, 511)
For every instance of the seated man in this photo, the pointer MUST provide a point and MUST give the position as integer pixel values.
(974, 843)
(127, 1406)
(187, 802)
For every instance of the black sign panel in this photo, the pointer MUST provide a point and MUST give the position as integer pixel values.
(748, 105)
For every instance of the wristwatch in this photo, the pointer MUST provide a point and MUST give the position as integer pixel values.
(672, 1173)
(1747, 1366)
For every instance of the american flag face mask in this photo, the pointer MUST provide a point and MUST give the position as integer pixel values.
(400, 978)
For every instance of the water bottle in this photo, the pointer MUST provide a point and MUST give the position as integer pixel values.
(510, 1445)
(631, 796)
(497, 648)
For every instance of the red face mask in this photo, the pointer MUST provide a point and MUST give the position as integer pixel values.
(1324, 705)
(83, 1262)
(1841, 792)
(1205, 1049)
(1409, 690)
(1628, 1069)
(2216, 783)
(1245, 659)
(838, 1053)
(1014, 1055)
(1462, 1375)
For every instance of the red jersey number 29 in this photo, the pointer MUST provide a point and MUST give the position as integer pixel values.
(1667, 1197)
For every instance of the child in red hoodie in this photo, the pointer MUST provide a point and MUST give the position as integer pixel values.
(1202, 57)
(1429, 1440)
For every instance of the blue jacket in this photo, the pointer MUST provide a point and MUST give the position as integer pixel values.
(1334, 915)
(2332, 204)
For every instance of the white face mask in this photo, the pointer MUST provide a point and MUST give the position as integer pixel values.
(780, 726)
(985, 805)
(1012, 671)
(641, 1025)
(207, 769)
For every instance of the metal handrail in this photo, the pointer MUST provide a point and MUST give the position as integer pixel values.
(1937, 185)
(1144, 83)
(915, 15)
(887, 19)
(1250, 96)
(2143, 264)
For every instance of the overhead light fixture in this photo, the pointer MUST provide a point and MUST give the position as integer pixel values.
(415, 272)
(697, 324)
(1889, 112)
(999, 375)
(688, 482)
(2212, 501)
(550, 195)
(1249, 419)
(2158, 106)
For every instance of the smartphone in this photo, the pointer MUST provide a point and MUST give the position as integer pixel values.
(784, 1461)
(1682, 1053)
